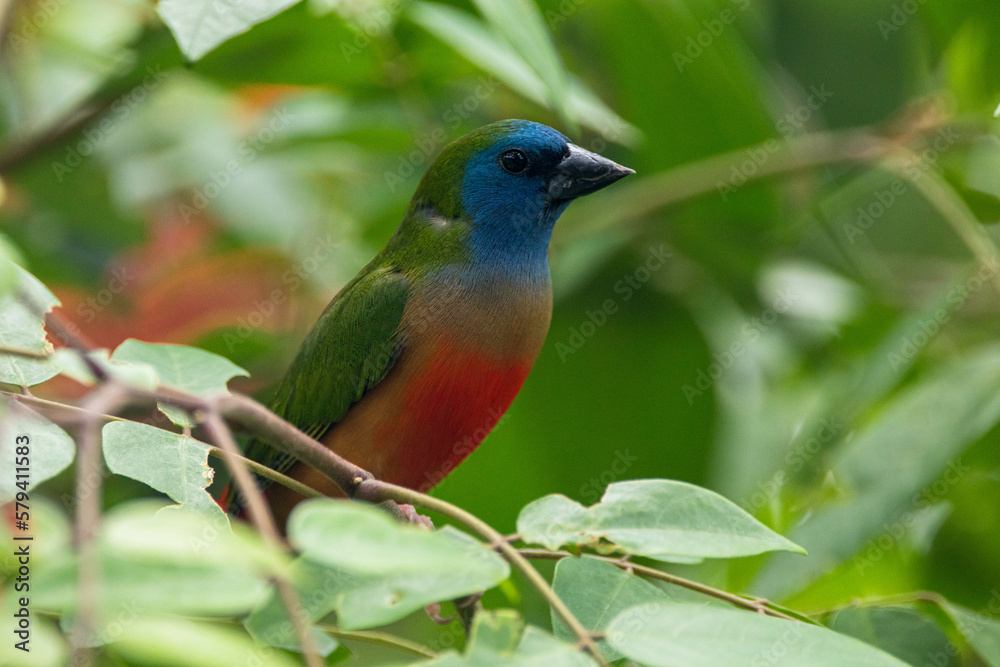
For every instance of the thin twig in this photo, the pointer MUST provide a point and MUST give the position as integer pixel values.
(89, 482)
(377, 491)
(633, 568)
(261, 516)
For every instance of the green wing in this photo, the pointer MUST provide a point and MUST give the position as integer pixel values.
(351, 349)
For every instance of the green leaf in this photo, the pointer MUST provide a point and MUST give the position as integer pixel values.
(521, 25)
(467, 35)
(596, 592)
(884, 468)
(187, 368)
(494, 642)
(661, 519)
(904, 632)
(691, 635)
(21, 328)
(174, 561)
(50, 449)
(982, 632)
(372, 570)
(178, 642)
(200, 26)
(173, 464)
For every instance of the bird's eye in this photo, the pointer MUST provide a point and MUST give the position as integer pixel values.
(514, 161)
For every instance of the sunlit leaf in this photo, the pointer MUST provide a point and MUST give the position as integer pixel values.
(662, 519)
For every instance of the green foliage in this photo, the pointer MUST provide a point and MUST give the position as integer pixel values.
(665, 520)
(817, 346)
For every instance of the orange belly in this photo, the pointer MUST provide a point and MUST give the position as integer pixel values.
(422, 420)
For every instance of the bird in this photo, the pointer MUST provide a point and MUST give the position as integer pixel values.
(418, 357)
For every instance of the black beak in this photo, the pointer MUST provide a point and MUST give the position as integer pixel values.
(582, 172)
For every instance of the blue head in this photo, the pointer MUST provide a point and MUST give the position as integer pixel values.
(511, 180)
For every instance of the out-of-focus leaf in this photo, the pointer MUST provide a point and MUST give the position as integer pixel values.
(497, 640)
(199, 27)
(521, 24)
(372, 570)
(184, 643)
(915, 438)
(187, 368)
(173, 464)
(900, 631)
(21, 327)
(470, 38)
(982, 632)
(596, 592)
(661, 519)
(175, 562)
(50, 449)
(690, 635)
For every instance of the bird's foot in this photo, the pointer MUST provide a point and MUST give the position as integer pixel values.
(415, 518)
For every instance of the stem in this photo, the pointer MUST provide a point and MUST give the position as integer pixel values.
(376, 491)
(264, 521)
(760, 606)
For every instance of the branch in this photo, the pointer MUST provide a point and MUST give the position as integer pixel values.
(759, 606)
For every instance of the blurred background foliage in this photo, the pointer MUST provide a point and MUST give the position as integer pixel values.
(820, 345)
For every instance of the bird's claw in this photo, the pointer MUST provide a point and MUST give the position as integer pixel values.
(417, 519)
